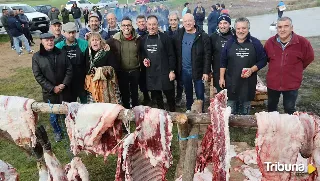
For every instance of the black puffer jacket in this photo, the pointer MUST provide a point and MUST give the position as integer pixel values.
(76, 12)
(50, 72)
(201, 53)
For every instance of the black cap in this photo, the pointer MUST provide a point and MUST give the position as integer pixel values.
(46, 36)
(55, 21)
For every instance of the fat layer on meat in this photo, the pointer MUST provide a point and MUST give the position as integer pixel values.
(76, 171)
(7, 172)
(94, 128)
(18, 119)
(279, 139)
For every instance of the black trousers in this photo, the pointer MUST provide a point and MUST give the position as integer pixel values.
(128, 85)
(170, 99)
(10, 36)
(289, 100)
(28, 35)
(179, 88)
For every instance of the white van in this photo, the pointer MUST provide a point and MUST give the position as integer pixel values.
(38, 21)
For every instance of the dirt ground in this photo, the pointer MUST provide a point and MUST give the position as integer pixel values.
(10, 60)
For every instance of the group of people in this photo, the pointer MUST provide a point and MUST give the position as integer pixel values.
(16, 24)
(169, 62)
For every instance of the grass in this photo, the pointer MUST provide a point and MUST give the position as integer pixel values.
(4, 38)
(23, 84)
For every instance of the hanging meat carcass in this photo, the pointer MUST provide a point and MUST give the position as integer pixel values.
(153, 137)
(18, 119)
(94, 128)
(215, 145)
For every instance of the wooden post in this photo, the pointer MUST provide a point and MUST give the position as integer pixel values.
(192, 146)
(127, 114)
(183, 131)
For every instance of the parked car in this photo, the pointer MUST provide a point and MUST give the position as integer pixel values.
(81, 4)
(43, 8)
(141, 1)
(38, 21)
(108, 3)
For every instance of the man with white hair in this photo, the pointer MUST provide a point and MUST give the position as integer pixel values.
(241, 58)
(193, 50)
(288, 55)
(112, 27)
(93, 26)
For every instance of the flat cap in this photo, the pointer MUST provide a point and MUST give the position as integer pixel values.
(55, 21)
(94, 15)
(69, 27)
(46, 36)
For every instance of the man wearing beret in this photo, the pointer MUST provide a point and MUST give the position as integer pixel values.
(218, 41)
(53, 71)
(75, 51)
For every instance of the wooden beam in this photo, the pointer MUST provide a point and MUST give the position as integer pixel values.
(127, 114)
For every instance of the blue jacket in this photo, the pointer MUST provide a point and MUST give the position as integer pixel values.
(213, 19)
(199, 17)
(118, 13)
(24, 20)
(143, 9)
(85, 30)
(260, 52)
(14, 26)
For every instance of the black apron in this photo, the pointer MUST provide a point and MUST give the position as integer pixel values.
(241, 56)
(74, 55)
(219, 45)
(157, 75)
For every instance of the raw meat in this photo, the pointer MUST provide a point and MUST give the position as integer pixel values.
(54, 168)
(248, 157)
(260, 87)
(94, 128)
(76, 171)
(216, 148)
(309, 125)
(206, 175)
(7, 172)
(279, 139)
(252, 174)
(18, 119)
(152, 136)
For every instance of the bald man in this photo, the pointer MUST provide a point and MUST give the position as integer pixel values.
(193, 51)
(112, 27)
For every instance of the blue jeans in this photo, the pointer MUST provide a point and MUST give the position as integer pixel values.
(188, 88)
(289, 100)
(239, 107)
(54, 121)
(23, 39)
(78, 24)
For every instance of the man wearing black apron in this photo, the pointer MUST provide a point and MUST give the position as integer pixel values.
(218, 40)
(159, 58)
(241, 58)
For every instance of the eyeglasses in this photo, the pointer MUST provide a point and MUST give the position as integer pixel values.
(128, 26)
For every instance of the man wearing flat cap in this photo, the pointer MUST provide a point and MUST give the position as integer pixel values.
(55, 28)
(75, 51)
(94, 26)
(53, 71)
(218, 40)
